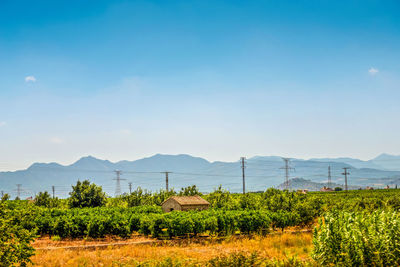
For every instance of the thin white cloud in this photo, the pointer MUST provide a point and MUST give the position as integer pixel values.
(56, 140)
(2, 123)
(373, 71)
(30, 79)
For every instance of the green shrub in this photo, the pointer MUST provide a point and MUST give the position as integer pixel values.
(358, 239)
(84, 194)
(15, 237)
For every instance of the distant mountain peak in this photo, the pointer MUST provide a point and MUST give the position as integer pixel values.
(39, 165)
(385, 156)
(89, 162)
(89, 157)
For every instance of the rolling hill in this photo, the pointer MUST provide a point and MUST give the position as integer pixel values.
(261, 173)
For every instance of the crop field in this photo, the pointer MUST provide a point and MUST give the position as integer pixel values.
(271, 228)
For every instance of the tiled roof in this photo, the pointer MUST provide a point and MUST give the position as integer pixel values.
(189, 200)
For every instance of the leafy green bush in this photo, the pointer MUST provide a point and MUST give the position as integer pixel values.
(358, 239)
(15, 237)
(84, 194)
(190, 191)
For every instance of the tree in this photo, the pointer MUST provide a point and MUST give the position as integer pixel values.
(43, 199)
(162, 195)
(15, 247)
(139, 197)
(5, 197)
(189, 191)
(338, 189)
(86, 194)
(220, 198)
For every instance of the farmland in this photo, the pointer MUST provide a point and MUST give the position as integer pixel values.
(265, 228)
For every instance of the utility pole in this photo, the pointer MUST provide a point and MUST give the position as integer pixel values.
(166, 180)
(130, 188)
(19, 189)
(287, 168)
(243, 162)
(2, 193)
(345, 173)
(118, 179)
(329, 177)
(53, 188)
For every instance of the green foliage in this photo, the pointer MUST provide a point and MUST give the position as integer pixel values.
(190, 191)
(160, 196)
(358, 239)
(56, 238)
(84, 194)
(236, 259)
(220, 198)
(16, 234)
(43, 199)
(338, 189)
(243, 259)
(139, 197)
(99, 222)
(5, 197)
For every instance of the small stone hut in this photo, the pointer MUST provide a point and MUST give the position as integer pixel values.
(326, 189)
(185, 203)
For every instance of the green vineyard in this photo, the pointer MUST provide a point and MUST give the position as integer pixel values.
(355, 228)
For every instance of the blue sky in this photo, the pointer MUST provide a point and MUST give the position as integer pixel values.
(217, 79)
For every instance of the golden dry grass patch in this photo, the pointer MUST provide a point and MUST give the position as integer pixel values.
(280, 246)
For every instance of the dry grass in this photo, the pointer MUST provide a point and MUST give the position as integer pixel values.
(279, 246)
(46, 242)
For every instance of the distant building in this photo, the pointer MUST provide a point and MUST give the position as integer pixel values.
(369, 188)
(302, 191)
(326, 189)
(185, 203)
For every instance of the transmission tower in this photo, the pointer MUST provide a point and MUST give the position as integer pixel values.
(53, 188)
(329, 177)
(19, 190)
(2, 193)
(130, 188)
(243, 162)
(345, 173)
(287, 169)
(166, 180)
(118, 185)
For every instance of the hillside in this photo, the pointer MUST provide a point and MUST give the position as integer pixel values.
(300, 183)
(261, 173)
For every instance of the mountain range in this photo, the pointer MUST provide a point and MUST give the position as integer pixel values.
(261, 172)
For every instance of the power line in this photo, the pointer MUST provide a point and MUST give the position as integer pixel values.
(118, 185)
(205, 174)
(19, 190)
(242, 159)
(287, 168)
(329, 177)
(166, 179)
(130, 188)
(345, 173)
